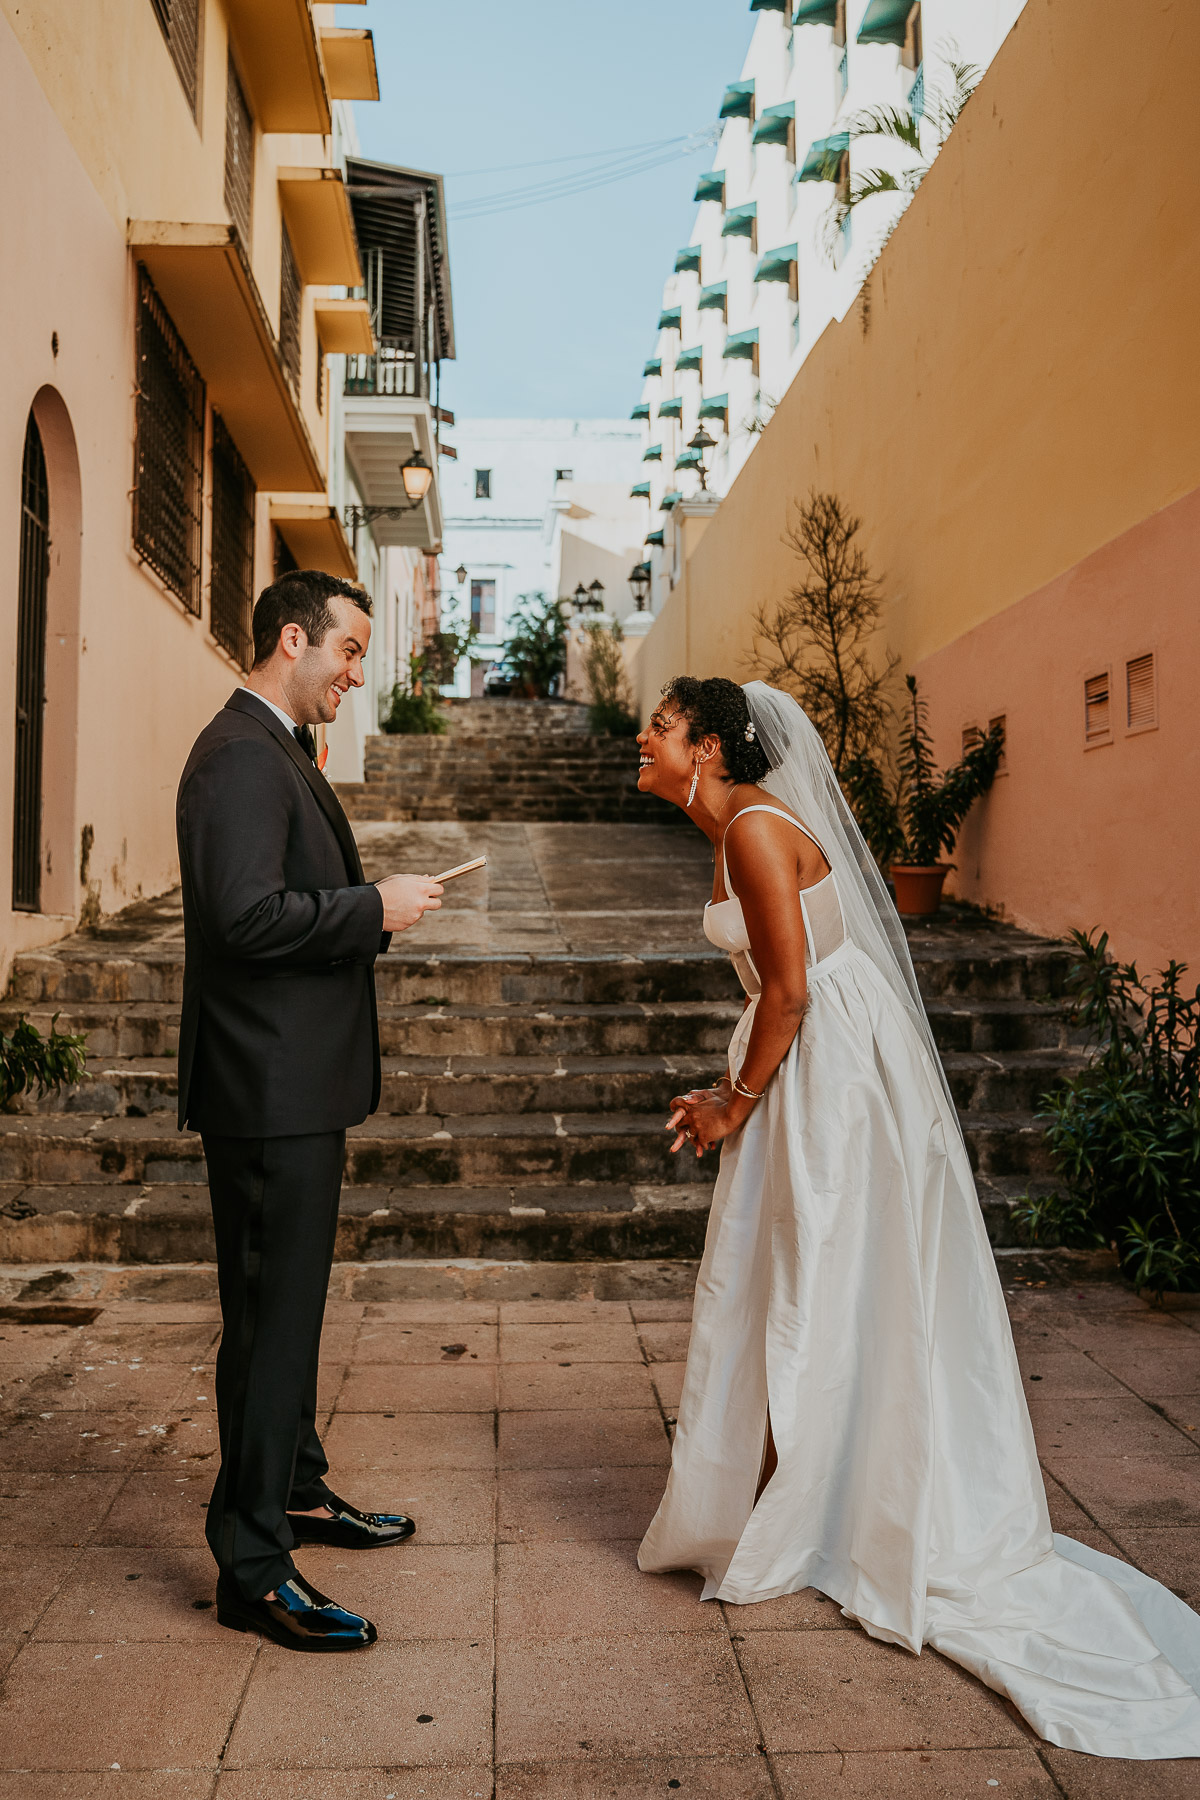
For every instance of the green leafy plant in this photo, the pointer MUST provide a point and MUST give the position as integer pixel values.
(1125, 1134)
(919, 818)
(898, 125)
(31, 1063)
(537, 649)
(412, 706)
(610, 707)
(445, 648)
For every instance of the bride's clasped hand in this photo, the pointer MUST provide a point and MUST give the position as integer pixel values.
(852, 1417)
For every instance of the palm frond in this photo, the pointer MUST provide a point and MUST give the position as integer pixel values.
(887, 121)
(943, 110)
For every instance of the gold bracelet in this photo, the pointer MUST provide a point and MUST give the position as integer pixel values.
(746, 1092)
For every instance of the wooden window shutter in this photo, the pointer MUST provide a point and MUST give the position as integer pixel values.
(1141, 693)
(1097, 710)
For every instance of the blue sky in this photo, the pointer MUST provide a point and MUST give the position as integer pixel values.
(555, 305)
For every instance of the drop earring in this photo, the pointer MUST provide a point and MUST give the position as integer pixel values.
(695, 779)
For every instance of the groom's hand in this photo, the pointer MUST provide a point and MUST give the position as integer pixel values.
(407, 898)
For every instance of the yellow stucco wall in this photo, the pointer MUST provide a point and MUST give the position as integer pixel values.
(1020, 381)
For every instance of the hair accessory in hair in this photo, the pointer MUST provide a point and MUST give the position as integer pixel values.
(750, 733)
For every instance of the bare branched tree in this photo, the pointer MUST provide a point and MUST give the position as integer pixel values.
(819, 643)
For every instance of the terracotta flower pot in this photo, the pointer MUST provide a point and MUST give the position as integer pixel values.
(919, 887)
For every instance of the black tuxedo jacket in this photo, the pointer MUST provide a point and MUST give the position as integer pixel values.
(279, 1035)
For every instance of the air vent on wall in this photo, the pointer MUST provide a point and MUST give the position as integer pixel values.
(1097, 710)
(1141, 693)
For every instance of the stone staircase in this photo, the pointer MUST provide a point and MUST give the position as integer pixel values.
(523, 1099)
(504, 759)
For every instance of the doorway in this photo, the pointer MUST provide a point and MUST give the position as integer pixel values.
(33, 586)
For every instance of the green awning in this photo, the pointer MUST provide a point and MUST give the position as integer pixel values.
(814, 12)
(776, 265)
(711, 187)
(671, 409)
(687, 260)
(688, 362)
(652, 453)
(640, 490)
(641, 410)
(885, 22)
(741, 344)
(655, 537)
(715, 406)
(670, 500)
(775, 124)
(712, 299)
(768, 6)
(738, 102)
(689, 460)
(821, 163)
(739, 221)
(654, 366)
(671, 319)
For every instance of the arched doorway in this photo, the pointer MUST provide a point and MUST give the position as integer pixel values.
(33, 585)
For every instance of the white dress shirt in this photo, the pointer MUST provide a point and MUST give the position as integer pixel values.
(285, 718)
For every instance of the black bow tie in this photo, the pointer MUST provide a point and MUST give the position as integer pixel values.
(307, 741)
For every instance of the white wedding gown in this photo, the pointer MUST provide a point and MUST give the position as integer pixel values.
(848, 1286)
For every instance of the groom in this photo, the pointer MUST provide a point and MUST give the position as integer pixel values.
(278, 1054)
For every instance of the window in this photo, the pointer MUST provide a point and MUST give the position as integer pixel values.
(289, 311)
(1141, 694)
(911, 54)
(972, 737)
(564, 474)
(1001, 720)
(169, 452)
(180, 23)
(1097, 710)
(483, 606)
(231, 590)
(483, 484)
(239, 155)
(283, 561)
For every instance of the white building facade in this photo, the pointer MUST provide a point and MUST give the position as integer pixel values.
(763, 272)
(528, 504)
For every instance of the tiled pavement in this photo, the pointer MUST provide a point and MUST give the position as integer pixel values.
(521, 1654)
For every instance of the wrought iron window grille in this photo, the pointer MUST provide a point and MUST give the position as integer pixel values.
(169, 451)
(239, 155)
(231, 583)
(179, 21)
(289, 311)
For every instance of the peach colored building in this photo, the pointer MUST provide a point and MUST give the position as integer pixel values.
(182, 263)
(1013, 407)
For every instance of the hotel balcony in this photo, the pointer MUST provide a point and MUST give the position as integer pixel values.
(390, 396)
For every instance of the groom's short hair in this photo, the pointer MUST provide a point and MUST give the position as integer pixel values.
(301, 597)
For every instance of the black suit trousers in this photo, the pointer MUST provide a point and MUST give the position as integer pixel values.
(274, 1206)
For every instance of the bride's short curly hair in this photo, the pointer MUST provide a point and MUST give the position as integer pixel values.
(717, 708)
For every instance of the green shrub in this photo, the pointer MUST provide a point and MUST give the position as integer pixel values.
(610, 708)
(537, 650)
(30, 1062)
(1125, 1134)
(413, 707)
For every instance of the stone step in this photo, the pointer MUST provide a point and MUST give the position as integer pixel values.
(461, 1149)
(455, 1083)
(44, 978)
(698, 1028)
(170, 1222)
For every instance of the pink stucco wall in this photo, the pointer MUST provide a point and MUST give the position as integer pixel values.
(1107, 836)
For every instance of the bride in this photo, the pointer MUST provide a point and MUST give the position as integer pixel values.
(852, 1416)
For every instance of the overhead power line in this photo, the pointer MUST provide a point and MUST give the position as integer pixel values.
(619, 166)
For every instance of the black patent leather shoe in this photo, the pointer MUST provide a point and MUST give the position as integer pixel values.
(350, 1529)
(299, 1618)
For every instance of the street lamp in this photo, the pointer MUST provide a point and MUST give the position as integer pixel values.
(701, 443)
(460, 574)
(639, 585)
(416, 477)
(580, 597)
(596, 594)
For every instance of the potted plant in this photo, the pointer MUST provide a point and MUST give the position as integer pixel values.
(931, 807)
